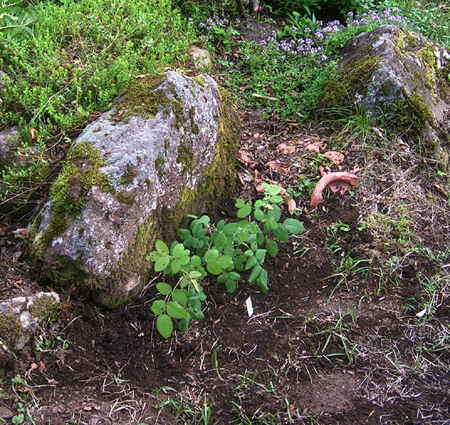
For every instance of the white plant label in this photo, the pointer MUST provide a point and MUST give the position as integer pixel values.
(248, 303)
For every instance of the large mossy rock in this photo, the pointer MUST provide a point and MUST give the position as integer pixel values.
(167, 149)
(401, 79)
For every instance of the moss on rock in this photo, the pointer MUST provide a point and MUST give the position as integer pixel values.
(69, 191)
(341, 89)
(396, 77)
(141, 99)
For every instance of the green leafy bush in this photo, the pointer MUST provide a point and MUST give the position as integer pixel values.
(225, 251)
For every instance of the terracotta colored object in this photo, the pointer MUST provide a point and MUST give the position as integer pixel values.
(331, 178)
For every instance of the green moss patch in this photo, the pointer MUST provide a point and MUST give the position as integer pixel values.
(341, 88)
(80, 172)
(140, 99)
(411, 114)
(185, 156)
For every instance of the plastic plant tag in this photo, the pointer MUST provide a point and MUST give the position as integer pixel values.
(248, 303)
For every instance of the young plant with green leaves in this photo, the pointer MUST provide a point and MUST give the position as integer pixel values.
(225, 251)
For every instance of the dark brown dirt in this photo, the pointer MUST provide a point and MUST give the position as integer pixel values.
(316, 350)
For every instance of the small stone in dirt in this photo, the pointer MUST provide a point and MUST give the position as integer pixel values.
(5, 413)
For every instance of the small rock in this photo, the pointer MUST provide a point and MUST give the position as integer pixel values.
(5, 413)
(201, 57)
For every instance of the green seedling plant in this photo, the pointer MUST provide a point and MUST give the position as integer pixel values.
(224, 251)
(303, 187)
(19, 417)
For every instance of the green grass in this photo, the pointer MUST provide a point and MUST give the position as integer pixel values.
(75, 59)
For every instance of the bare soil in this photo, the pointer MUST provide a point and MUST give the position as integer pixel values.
(330, 343)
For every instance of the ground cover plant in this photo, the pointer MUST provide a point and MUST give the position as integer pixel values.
(355, 325)
(73, 59)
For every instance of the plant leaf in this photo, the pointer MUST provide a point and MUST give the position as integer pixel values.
(272, 247)
(245, 211)
(214, 268)
(234, 276)
(258, 214)
(175, 266)
(250, 263)
(178, 250)
(163, 288)
(239, 203)
(294, 226)
(161, 247)
(158, 307)
(175, 310)
(222, 278)
(179, 296)
(231, 285)
(161, 263)
(256, 271)
(184, 324)
(211, 255)
(183, 234)
(281, 233)
(164, 325)
(262, 281)
(220, 241)
(230, 229)
(196, 261)
(224, 261)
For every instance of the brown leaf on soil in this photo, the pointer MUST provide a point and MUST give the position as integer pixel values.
(277, 166)
(335, 157)
(244, 157)
(340, 180)
(339, 187)
(440, 190)
(315, 147)
(285, 149)
(21, 233)
(291, 205)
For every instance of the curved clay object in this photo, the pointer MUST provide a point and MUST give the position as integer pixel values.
(346, 178)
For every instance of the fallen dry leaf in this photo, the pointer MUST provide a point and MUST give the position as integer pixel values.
(291, 205)
(285, 149)
(315, 147)
(21, 233)
(277, 166)
(335, 157)
(244, 157)
(338, 179)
